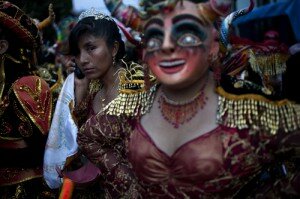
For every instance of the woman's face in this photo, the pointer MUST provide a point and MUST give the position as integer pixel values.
(178, 45)
(95, 57)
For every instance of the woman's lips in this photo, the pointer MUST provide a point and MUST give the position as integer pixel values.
(172, 66)
(88, 70)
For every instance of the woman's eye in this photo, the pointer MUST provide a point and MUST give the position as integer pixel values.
(90, 48)
(153, 44)
(189, 40)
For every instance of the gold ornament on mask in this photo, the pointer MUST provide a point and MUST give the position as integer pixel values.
(268, 64)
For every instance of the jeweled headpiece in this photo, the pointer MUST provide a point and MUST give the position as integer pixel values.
(96, 13)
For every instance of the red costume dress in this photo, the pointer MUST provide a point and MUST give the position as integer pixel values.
(218, 163)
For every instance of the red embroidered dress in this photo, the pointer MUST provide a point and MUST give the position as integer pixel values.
(215, 165)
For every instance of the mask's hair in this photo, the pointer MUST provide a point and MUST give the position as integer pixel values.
(155, 6)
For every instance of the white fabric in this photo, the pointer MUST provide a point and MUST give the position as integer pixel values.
(61, 141)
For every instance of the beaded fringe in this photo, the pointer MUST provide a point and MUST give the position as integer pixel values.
(134, 98)
(131, 104)
(273, 64)
(254, 111)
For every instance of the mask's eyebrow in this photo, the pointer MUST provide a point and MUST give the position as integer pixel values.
(187, 17)
(154, 21)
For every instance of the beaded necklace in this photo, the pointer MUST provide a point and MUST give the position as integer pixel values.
(178, 113)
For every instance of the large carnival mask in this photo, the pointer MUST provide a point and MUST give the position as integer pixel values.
(178, 44)
(196, 39)
(178, 37)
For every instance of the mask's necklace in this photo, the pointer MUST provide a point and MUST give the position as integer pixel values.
(178, 113)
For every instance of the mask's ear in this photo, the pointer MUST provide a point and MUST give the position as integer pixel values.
(215, 47)
(3, 46)
(115, 48)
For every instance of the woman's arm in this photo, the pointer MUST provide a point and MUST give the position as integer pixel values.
(102, 139)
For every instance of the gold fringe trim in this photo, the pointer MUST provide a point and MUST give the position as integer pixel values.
(257, 112)
(272, 64)
(133, 98)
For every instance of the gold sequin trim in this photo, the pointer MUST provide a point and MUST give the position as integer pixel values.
(257, 112)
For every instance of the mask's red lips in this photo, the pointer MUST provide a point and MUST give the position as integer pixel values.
(171, 63)
(172, 66)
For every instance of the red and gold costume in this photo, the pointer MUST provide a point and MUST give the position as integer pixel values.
(251, 152)
(25, 108)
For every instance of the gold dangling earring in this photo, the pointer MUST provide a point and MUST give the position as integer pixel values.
(114, 61)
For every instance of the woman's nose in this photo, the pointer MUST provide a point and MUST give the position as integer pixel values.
(82, 59)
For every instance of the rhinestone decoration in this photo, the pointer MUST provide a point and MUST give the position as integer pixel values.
(97, 14)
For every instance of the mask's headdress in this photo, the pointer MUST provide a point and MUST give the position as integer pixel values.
(209, 11)
(246, 99)
(252, 63)
(133, 18)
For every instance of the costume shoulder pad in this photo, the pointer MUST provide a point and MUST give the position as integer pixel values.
(136, 92)
(257, 112)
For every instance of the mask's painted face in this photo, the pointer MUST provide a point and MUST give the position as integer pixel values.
(178, 45)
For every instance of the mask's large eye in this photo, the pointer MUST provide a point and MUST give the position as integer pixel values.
(189, 40)
(153, 39)
(153, 44)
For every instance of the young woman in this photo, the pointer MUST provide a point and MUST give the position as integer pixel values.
(195, 139)
(97, 47)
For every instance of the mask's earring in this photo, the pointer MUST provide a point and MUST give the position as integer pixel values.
(213, 60)
(214, 65)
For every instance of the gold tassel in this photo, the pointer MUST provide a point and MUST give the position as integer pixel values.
(133, 99)
(257, 112)
(132, 104)
(271, 64)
